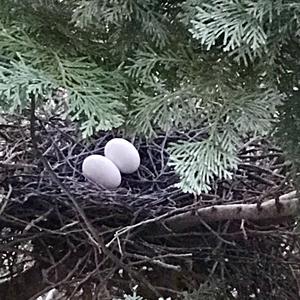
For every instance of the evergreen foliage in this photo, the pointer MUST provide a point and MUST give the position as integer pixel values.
(157, 65)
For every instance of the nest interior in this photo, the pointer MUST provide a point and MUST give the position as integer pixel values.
(102, 242)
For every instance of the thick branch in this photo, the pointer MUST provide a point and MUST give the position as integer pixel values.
(289, 206)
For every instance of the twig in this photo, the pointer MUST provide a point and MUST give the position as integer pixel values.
(5, 199)
(243, 229)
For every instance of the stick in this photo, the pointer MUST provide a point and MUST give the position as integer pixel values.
(268, 210)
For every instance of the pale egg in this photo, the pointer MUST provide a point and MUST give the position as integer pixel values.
(102, 171)
(123, 154)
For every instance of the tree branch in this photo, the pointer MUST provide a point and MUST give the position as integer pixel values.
(289, 206)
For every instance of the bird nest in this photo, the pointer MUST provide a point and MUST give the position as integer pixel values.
(231, 242)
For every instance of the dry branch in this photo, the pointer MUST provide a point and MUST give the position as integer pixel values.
(288, 207)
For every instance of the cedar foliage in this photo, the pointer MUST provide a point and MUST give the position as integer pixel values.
(206, 75)
(150, 65)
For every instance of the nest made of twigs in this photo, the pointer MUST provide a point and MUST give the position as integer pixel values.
(75, 226)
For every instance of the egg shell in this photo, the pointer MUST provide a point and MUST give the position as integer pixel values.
(123, 154)
(102, 171)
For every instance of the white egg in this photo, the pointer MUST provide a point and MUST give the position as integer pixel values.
(123, 154)
(102, 171)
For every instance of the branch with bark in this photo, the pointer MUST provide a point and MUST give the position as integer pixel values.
(287, 205)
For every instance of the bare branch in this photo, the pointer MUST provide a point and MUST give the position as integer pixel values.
(268, 210)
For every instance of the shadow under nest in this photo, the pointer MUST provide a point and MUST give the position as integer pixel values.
(98, 242)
